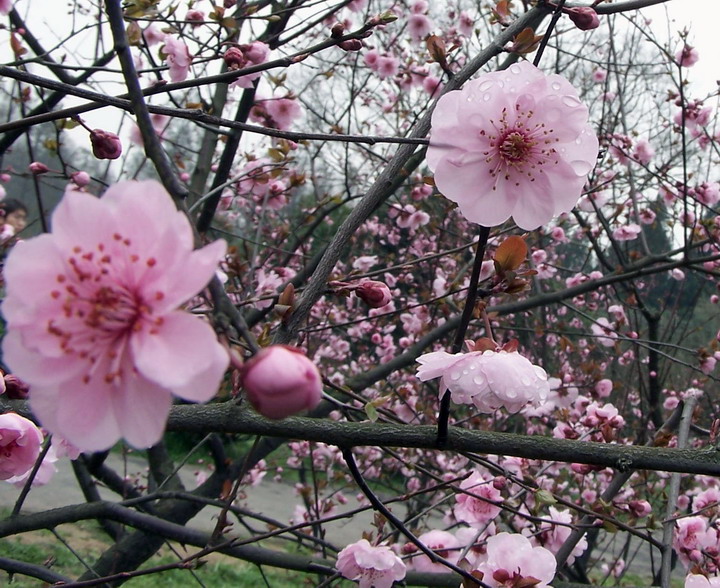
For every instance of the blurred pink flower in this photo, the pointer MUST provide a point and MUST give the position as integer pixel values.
(20, 442)
(691, 537)
(687, 56)
(281, 381)
(512, 143)
(92, 320)
(627, 232)
(511, 558)
(178, 58)
(584, 17)
(6, 6)
(700, 581)
(419, 26)
(442, 543)
(282, 111)
(479, 509)
(372, 566)
(488, 379)
(153, 35)
(552, 536)
(643, 151)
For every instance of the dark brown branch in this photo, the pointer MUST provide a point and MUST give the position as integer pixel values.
(231, 418)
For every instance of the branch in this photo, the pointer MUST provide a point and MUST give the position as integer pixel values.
(231, 418)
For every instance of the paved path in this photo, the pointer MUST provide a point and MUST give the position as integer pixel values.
(274, 500)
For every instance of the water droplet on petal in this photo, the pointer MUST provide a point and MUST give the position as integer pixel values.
(514, 68)
(571, 101)
(555, 86)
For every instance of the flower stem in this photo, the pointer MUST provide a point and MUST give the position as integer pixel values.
(444, 414)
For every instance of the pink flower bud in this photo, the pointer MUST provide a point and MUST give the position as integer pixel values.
(80, 178)
(105, 145)
(15, 388)
(196, 17)
(374, 294)
(5, 177)
(281, 381)
(20, 442)
(234, 58)
(584, 17)
(38, 168)
(351, 45)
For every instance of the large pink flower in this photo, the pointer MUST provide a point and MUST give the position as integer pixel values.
(487, 379)
(93, 325)
(20, 442)
(512, 143)
(512, 558)
(372, 566)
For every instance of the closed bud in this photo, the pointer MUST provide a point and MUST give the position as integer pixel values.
(80, 178)
(234, 58)
(374, 294)
(281, 381)
(38, 168)
(15, 388)
(351, 45)
(105, 145)
(337, 30)
(584, 17)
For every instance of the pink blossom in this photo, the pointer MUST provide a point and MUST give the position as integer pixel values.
(255, 53)
(372, 566)
(512, 558)
(419, 7)
(512, 143)
(432, 85)
(599, 75)
(6, 6)
(45, 472)
(419, 26)
(700, 581)
(92, 320)
(365, 262)
(153, 35)
(552, 535)
(687, 56)
(20, 442)
(196, 17)
(466, 24)
(691, 537)
(707, 364)
(442, 543)
(627, 232)
(643, 152)
(387, 66)
(489, 379)
(282, 111)
(603, 388)
(178, 58)
(604, 331)
(478, 506)
(281, 381)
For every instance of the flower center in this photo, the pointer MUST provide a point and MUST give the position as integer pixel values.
(516, 147)
(101, 307)
(518, 150)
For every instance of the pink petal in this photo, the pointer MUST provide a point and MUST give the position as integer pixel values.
(141, 411)
(184, 348)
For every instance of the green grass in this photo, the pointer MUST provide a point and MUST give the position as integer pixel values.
(42, 548)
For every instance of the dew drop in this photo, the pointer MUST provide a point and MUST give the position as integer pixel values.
(514, 69)
(487, 97)
(485, 85)
(570, 101)
(556, 86)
